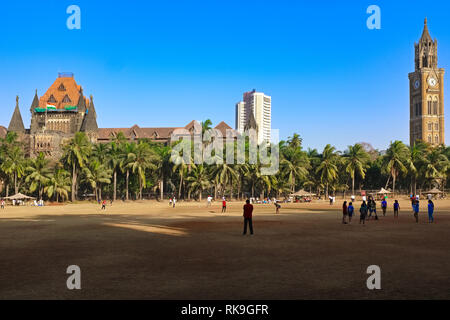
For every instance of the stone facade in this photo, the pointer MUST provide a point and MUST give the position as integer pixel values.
(427, 93)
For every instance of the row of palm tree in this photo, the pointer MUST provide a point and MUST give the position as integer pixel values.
(128, 169)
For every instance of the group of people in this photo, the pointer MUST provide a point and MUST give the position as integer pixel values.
(369, 209)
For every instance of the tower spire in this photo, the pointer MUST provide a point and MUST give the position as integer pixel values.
(16, 123)
(35, 103)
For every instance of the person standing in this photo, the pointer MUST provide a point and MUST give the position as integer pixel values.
(104, 205)
(396, 208)
(350, 211)
(174, 201)
(277, 206)
(363, 213)
(384, 206)
(3, 204)
(170, 202)
(416, 210)
(248, 216)
(430, 211)
(344, 212)
(208, 203)
(372, 208)
(224, 205)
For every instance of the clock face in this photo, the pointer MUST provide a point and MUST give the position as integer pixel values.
(432, 82)
(416, 84)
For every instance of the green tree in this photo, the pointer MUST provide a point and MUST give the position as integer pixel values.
(76, 154)
(327, 169)
(397, 155)
(356, 159)
(38, 174)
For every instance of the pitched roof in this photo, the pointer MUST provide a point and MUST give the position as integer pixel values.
(16, 123)
(425, 34)
(154, 133)
(3, 132)
(90, 119)
(35, 103)
(223, 127)
(59, 89)
(251, 123)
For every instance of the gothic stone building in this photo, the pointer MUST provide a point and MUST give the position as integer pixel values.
(64, 110)
(427, 93)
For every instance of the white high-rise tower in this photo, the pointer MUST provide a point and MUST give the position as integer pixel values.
(261, 106)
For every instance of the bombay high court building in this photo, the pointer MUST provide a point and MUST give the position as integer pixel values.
(64, 110)
(427, 93)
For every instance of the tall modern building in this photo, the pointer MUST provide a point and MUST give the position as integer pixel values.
(255, 112)
(426, 85)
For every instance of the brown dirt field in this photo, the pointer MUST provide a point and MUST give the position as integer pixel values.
(146, 250)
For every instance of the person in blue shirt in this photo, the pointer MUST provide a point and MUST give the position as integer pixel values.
(350, 210)
(396, 208)
(430, 211)
(416, 210)
(384, 206)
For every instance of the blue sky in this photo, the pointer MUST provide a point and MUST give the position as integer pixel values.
(155, 63)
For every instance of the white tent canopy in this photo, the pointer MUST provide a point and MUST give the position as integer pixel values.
(19, 196)
(303, 193)
(383, 191)
(433, 191)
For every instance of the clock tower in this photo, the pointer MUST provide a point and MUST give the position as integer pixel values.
(426, 93)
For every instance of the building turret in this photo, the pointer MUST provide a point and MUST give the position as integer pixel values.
(90, 119)
(16, 123)
(35, 103)
(426, 50)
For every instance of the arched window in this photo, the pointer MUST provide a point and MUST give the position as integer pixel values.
(429, 105)
(435, 106)
(436, 139)
(429, 139)
(436, 126)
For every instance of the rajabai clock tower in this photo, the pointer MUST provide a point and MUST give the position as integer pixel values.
(426, 85)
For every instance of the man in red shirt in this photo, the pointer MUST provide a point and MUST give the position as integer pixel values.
(248, 210)
(224, 205)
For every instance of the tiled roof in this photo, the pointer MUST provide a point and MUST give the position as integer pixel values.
(150, 133)
(59, 89)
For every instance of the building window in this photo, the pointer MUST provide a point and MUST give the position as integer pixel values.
(52, 99)
(430, 126)
(436, 126)
(429, 106)
(66, 99)
(435, 107)
(62, 88)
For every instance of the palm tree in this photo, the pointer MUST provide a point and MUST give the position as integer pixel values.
(14, 164)
(59, 184)
(142, 159)
(96, 174)
(113, 158)
(198, 180)
(38, 174)
(294, 165)
(128, 153)
(328, 167)
(415, 162)
(163, 167)
(435, 165)
(356, 159)
(395, 159)
(76, 154)
(224, 175)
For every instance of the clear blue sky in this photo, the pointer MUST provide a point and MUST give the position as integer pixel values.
(164, 63)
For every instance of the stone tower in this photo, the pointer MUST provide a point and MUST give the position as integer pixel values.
(426, 85)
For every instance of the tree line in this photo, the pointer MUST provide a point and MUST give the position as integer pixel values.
(130, 170)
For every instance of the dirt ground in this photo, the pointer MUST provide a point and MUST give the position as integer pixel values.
(148, 250)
